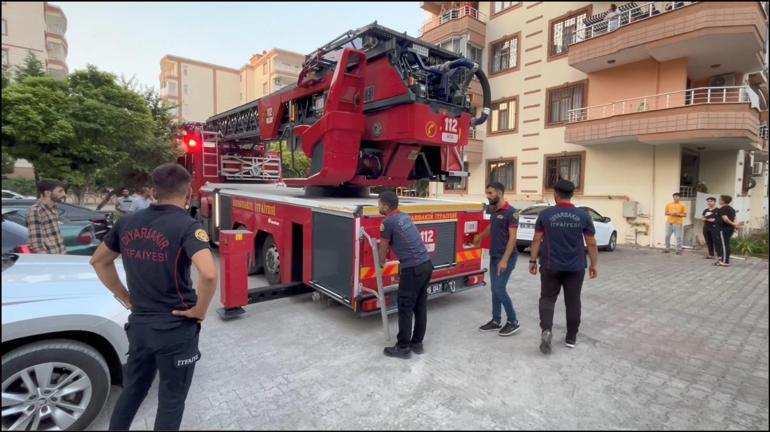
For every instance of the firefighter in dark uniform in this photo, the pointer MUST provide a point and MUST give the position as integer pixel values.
(158, 246)
(399, 232)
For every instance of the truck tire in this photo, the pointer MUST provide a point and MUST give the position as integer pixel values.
(271, 261)
(48, 364)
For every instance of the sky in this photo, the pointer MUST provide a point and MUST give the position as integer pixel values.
(129, 38)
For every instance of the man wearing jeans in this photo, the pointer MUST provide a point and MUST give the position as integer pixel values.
(502, 258)
(675, 212)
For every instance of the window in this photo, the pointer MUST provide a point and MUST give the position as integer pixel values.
(564, 167)
(504, 115)
(186, 89)
(171, 87)
(186, 109)
(264, 69)
(563, 30)
(264, 88)
(500, 6)
(5, 27)
(462, 185)
(562, 99)
(504, 54)
(184, 70)
(595, 216)
(502, 171)
(453, 44)
(474, 53)
(5, 57)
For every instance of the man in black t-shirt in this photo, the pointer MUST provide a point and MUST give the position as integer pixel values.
(158, 246)
(726, 226)
(710, 231)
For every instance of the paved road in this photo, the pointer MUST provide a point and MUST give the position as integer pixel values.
(666, 342)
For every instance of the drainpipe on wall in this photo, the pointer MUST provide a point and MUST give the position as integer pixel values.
(652, 200)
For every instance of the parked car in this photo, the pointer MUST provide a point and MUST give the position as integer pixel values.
(7, 194)
(79, 237)
(15, 237)
(606, 234)
(63, 342)
(69, 212)
(102, 220)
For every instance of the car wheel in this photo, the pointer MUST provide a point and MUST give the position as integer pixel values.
(271, 261)
(521, 248)
(55, 384)
(613, 242)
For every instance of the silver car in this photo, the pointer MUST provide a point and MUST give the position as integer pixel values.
(63, 342)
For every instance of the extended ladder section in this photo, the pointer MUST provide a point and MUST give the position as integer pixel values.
(244, 168)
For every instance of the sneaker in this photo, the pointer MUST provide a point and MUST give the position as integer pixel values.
(510, 328)
(490, 326)
(570, 342)
(417, 348)
(396, 351)
(545, 342)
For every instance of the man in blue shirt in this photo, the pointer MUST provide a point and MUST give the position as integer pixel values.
(503, 225)
(558, 242)
(399, 232)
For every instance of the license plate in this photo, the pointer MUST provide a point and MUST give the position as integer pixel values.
(435, 288)
(441, 287)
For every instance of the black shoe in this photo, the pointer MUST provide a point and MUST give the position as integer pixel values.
(397, 351)
(666, 251)
(490, 326)
(545, 342)
(679, 252)
(417, 348)
(570, 342)
(510, 328)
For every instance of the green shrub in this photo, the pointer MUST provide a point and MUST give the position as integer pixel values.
(20, 185)
(756, 246)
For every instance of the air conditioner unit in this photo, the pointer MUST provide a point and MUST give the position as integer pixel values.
(724, 80)
(757, 169)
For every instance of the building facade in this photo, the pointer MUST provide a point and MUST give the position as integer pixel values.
(38, 28)
(199, 90)
(666, 97)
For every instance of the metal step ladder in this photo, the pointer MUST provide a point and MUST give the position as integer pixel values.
(210, 155)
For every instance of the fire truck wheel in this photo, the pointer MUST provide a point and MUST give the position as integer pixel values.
(272, 261)
(316, 296)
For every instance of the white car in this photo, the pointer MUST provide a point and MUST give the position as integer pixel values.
(63, 342)
(606, 234)
(13, 195)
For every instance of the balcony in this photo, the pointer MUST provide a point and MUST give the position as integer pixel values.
(456, 21)
(55, 20)
(706, 33)
(283, 68)
(714, 117)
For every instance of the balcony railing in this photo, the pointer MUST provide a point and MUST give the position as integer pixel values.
(682, 98)
(623, 19)
(283, 67)
(451, 15)
(763, 131)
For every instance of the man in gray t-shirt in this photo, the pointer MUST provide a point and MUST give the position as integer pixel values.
(143, 200)
(123, 203)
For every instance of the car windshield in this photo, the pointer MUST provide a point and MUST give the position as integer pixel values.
(533, 211)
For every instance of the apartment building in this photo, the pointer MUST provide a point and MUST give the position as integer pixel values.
(666, 97)
(36, 27)
(199, 90)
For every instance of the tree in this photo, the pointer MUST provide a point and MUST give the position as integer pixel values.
(8, 163)
(86, 130)
(32, 67)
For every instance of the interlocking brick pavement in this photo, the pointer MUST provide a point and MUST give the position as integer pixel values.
(667, 342)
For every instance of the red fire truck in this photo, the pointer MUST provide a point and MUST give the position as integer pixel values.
(373, 108)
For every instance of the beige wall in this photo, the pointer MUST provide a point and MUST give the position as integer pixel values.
(645, 78)
(198, 101)
(25, 23)
(759, 202)
(228, 95)
(718, 171)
